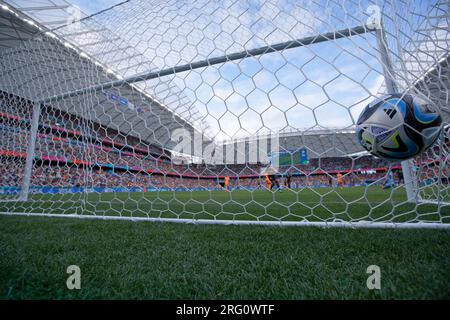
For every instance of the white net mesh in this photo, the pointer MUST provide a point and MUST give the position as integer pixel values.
(213, 111)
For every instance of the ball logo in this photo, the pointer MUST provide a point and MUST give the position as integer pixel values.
(390, 112)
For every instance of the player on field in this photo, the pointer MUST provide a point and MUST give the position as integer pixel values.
(221, 183)
(340, 180)
(268, 181)
(287, 181)
(400, 178)
(389, 180)
(226, 182)
(274, 182)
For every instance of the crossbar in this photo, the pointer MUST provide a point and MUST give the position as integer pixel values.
(334, 35)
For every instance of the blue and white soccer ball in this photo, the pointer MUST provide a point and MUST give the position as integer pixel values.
(398, 127)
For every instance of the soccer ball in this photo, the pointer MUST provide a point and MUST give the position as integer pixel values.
(398, 127)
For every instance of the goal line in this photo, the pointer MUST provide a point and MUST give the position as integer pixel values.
(280, 223)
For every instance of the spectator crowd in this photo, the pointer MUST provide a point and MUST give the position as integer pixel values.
(97, 156)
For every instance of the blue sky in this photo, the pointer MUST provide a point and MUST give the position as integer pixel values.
(297, 89)
(319, 86)
(93, 6)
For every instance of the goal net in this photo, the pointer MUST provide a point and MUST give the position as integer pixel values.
(221, 112)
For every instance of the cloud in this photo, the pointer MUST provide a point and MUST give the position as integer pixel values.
(90, 7)
(324, 84)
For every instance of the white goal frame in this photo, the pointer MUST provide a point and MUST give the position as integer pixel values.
(411, 179)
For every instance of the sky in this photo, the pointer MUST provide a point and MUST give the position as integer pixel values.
(92, 6)
(319, 86)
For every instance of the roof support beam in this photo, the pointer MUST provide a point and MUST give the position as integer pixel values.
(82, 33)
(45, 8)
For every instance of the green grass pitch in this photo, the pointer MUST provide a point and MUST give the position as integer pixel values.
(323, 204)
(142, 260)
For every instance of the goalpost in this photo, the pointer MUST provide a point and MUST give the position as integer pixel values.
(98, 109)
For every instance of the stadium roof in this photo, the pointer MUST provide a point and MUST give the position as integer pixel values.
(29, 51)
(435, 84)
(421, 66)
(319, 143)
(14, 31)
(95, 38)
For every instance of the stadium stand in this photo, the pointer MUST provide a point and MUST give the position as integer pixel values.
(67, 146)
